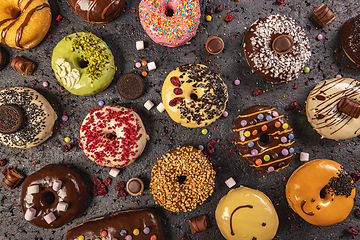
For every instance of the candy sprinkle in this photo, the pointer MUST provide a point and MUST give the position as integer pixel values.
(306, 70)
(67, 139)
(208, 18)
(204, 131)
(101, 103)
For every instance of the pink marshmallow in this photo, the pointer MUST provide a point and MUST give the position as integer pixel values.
(304, 157)
(50, 218)
(230, 182)
(57, 185)
(30, 214)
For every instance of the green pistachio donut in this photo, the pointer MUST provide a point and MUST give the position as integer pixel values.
(83, 64)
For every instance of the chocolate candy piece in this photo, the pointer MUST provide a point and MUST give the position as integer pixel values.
(12, 179)
(214, 45)
(11, 119)
(282, 44)
(135, 186)
(130, 86)
(199, 224)
(22, 65)
(323, 15)
(3, 57)
(349, 107)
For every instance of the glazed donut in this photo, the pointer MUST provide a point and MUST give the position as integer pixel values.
(321, 192)
(182, 179)
(170, 23)
(24, 23)
(120, 225)
(194, 95)
(246, 213)
(349, 33)
(83, 64)
(333, 108)
(264, 138)
(26, 118)
(276, 49)
(113, 136)
(97, 11)
(53, 196)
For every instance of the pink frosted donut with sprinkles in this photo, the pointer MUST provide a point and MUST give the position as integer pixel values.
(170, 23)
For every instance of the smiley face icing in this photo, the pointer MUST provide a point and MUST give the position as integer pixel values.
(246, 213)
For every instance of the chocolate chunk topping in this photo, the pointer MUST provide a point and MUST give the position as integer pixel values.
(3, 57)
(22, 65)
(342, 184)
(323, 15)
(11, 119)
(130, 86)
(283, 44)
(12, 179)
(199, 224)
(349, 107)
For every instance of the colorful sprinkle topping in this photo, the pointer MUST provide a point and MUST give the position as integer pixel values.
(275, 114)
(258, 162)
(81, 237)
(254, 152)
(204, 131)
(285, 126)
(291, 136)
(254, 132)
(243, 123)
(250, 144)
(284, 139)
(271, 169)
(285, 152)
(277, 124)
(264, 128)
(260, 116)
(136, 231)
(247, 134)
(146, 230)
(291, 150)
(269, 118)
(267, 158)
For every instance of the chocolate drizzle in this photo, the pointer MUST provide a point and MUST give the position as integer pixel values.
(302, 208)
(231, 216)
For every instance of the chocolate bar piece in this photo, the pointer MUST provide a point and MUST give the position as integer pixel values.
(3, 57)
(349, 107)
(323, 15)
(199, 224)
(12, 179)
(139, 224)
(22, 65)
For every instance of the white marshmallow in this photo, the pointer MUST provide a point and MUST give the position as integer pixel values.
(50, 218)
(148, 105)
(304, 157)
(230, 182)
(160, 107)
(114, 172)
(62, 206)
(33, 189)
(139, 45)
(151, 66)
(30, 214)
(57, 185)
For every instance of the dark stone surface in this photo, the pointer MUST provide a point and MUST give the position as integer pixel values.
(121, 35)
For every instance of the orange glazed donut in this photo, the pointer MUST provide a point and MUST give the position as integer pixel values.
(321, 192)
(24, 23)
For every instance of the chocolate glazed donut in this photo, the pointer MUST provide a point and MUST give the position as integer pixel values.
(97, 11)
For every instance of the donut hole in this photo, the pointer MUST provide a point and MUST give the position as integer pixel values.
(82, 63)
(111, 136)
(48, 198)
(13, 11)
(323, 192)
(193, 96)
(264, 138)
(181, 179)
(169, 12)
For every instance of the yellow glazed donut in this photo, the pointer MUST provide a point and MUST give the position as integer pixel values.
(24, 23)
(321, 192)
(246, 213)
(194, 95)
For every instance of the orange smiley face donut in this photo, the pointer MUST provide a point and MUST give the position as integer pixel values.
(321, 192)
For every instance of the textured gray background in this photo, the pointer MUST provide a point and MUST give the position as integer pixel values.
(121, 35)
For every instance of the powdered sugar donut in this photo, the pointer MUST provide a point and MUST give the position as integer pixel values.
(170, 23)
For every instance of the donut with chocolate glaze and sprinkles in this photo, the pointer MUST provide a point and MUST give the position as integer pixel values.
(349, 36)
(276, 48)
(194, 95)
(170, 23)
(333, 108)
(113, 136)
(26, 118)
(264, 138)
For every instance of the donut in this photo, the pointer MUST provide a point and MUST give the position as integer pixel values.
(182, 179)
(276, 48)
(246, 213)
(131, 224)
(53, 196)
(113, 136)
(24, 23)
(170, 23)
(97, 11)
(333, 108)
(264, 138)
(349, 35)
(321, 192)
(26, 117)
(83, 64)
(194, 95)
(4, 57)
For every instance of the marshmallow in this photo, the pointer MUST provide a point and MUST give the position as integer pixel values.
(62, 206)
(33, 189)
(57, 185)
(304, 157)
(30, 214)
(50, 218)
(114, 172)
(148, 105)
(160, 107)
(139, 45)
(230, 182)
(151, 66)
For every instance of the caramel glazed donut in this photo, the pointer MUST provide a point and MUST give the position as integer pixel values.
(24, 23)
(37, 114)
(321, 192)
